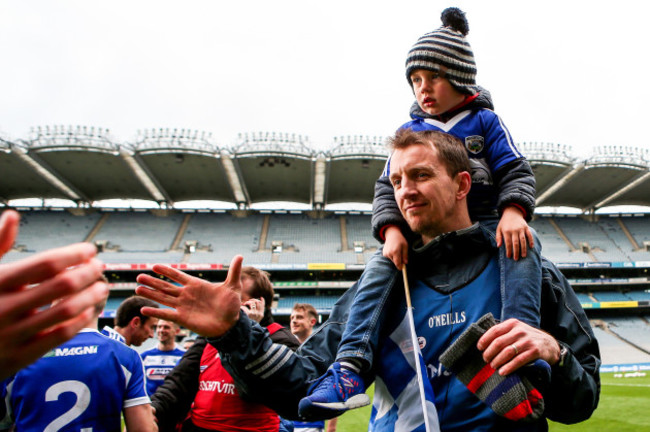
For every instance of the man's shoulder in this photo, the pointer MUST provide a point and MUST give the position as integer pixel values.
(113, 334)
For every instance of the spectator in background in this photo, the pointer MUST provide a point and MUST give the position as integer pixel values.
(159, 361)
(85, 384)
(188, 342)
(131, 327)
(199, 392)
(303, 319)
(27, 329)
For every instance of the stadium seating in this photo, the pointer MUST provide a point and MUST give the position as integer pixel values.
(639, 295)
(319, 302)
(633, 329)
(610, 296)
(139, 232)
(45, 230)
(615, 351)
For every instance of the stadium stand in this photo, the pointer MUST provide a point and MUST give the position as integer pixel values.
(613, 350)
(610, 296)
(632, 329)
(139, 231)
(554, 244)
(46, 230)
(639, 295)
(305, 239)
(606, 257)
(219, 236)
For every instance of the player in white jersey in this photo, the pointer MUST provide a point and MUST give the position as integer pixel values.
(83, 385)
(159, 361)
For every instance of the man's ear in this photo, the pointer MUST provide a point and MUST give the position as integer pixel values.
(313, 321)
(464, 181)
(135, 322)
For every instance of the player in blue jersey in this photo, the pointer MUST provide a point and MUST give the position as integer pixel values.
(84, 384)
(441, 71)
(159, 361)
(131, 327)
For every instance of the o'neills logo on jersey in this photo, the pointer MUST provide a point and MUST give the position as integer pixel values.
(72, 351)
(447, 319)
(218, 386)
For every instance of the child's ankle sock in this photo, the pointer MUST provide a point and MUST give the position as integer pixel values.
(351, 364)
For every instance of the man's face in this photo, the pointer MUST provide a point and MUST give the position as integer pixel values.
(426, 195)
(166, 331)
(144, 331)
(301, 323)
(247, 288)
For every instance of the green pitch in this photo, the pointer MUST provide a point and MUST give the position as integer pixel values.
(624, 406)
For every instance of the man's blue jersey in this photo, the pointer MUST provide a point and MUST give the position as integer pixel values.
(81, 385)
(440, 317)
(157, 364)
(111, 333)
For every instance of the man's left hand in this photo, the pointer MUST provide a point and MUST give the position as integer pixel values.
(512, 344)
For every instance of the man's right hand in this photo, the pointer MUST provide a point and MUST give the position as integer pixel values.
(209, 309)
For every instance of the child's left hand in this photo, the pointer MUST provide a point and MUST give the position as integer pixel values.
(513, 231)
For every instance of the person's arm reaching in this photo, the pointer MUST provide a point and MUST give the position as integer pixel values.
(27, 330)
(139, 418)
(172, 400)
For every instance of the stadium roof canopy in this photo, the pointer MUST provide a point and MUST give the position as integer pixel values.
(84, 165)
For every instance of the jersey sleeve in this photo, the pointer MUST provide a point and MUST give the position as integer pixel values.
(500, 146)
(5, 409)
(513, 174)
(136, 392)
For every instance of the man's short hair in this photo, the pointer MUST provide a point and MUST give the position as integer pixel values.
(262, 286)
(130, 308)
(451, 150)
(307, 308)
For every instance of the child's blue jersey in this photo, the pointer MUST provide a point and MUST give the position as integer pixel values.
(82, 385)
(439, 319)
(157, 364)
(489, 147)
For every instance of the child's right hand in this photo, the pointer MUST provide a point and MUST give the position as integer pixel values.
(396, 247)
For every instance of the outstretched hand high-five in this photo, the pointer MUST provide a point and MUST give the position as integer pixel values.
(209, 309)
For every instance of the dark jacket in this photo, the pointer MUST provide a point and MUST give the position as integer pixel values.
(174, 397)
(575, 387)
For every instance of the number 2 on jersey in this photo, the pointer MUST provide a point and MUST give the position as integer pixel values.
(81, 391)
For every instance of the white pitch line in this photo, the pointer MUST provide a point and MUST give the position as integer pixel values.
(625, 385)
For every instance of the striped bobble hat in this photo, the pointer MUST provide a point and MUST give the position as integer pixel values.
(446, 47)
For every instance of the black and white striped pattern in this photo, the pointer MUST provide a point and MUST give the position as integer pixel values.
(448, 49)
(270, 362)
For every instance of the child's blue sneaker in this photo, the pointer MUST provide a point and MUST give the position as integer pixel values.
(333, 394)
